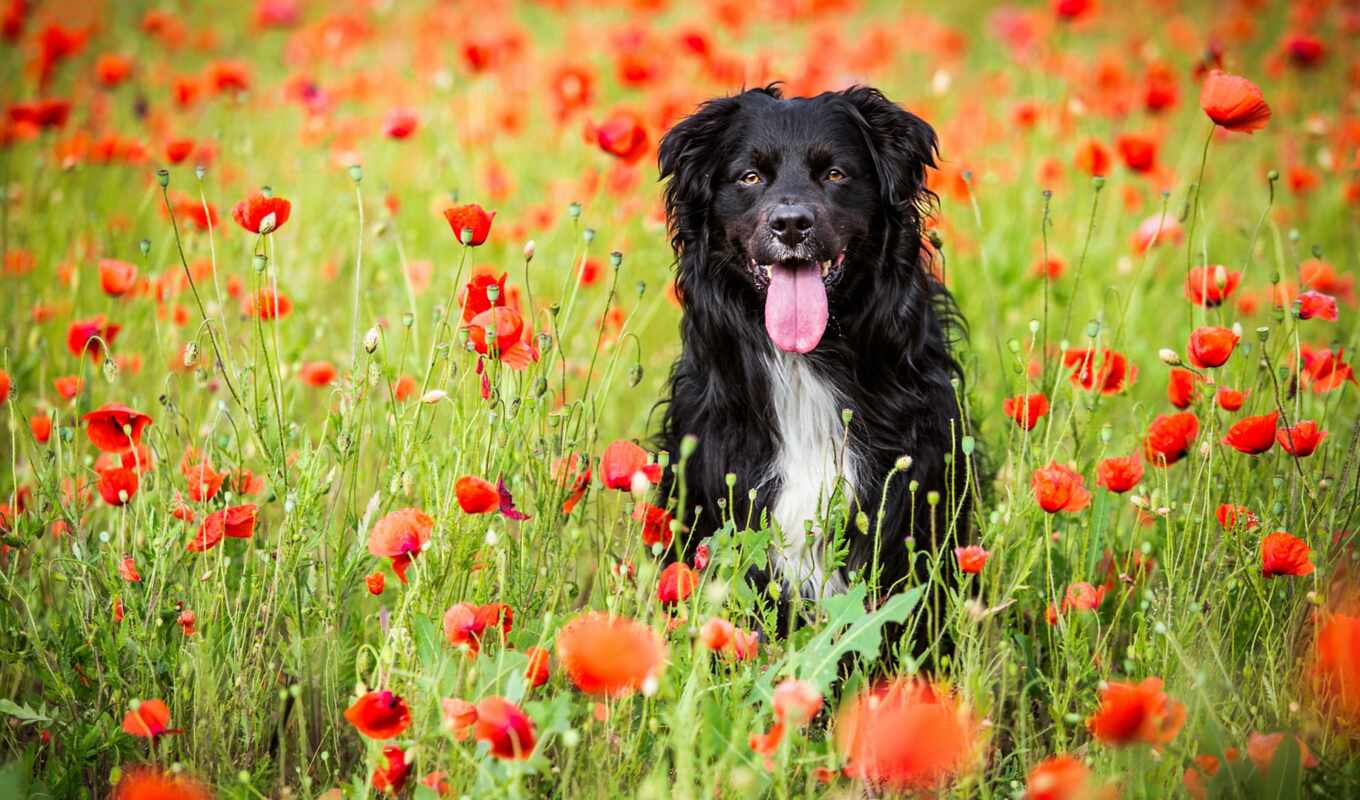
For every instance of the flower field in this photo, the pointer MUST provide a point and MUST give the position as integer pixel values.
(329, 367)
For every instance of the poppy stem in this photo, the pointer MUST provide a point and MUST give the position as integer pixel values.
(1197, 190)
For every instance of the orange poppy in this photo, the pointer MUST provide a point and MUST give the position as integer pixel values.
(1233, 102)
(1060, 488)
(149, 783)
(379, 715)
(151, 718)
(400, 536)
(1062, 777)
(1209, 287)
(971, 558)
(476, 495)
(612, 656)
(1253, 435)
(1119, 474)
(676, 583)
(905, 735)
(1130, 713)
(1106, 371)
(622, 464)
(1335, 668)
(1285, 554)
(1169, 438)
(116, 277)
(1300, 440)
(317, 373)
(81, 336)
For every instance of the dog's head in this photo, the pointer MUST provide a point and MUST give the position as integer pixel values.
(795, 197)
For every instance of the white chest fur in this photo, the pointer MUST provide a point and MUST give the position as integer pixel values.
(807, 463)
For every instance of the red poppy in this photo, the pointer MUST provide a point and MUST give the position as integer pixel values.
(117, 486)
(717, 633)
(268, 304)
(1335, 667)
(1139, 151)
(1313, 304)
(1130, 713)
(390, 777)
(536, 672)
(623, 136)
(1026, 409)
(1106, 371)
(237, 522)
(571, 90)
(477, 296)
(1083, 597)
(176, 150)
(1181, 387)
(476, 495)
(1304, 50)
(1059, 778)
(1253, 435)
(1324, 370)
(622, 464)
(379, 715)
(1233, 102)
(41, 426)
(1285, 554)
(1060, 488)
(1169, 438)
(375, 583)
(1155, 230)
(400, 536)
(656, 524)
(971, 558)
(905, 735)
(116, 277)
(469, 216)
(1302, 439)
(1261, 749)
(610, 656)
(507, 324)
(111, 69)
(151, 718)
(317, 373)
(1230, 515)
(114, 428)
(465, 623)
(572, 472)
(1230, 399)
(1119, 474)
(1209, 287)
(91, 336)
(149, 783)
(1211, 347)
(260, 214)
(1092, 158)
(4, 387)
(400, 123)
(498, 722)
(676, 583)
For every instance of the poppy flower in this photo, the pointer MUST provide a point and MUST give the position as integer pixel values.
(91, 336)
(68, 386)
(1026, 409)
(656, 524)
(1233, 102)
(536, 672)
(477, 297)
(238, 522)
(469, 216)
(1209, 287)
(507, 324)
(506, 502)
(379, 715)
(260, 214)
(496, 721)
(1059, 488)
(390, 777)
(1082, 596)
(1133, 713)
(1335, 667)
(466, 623)
(622, 136)
(116, 277)
(971, 558)
(149, 783)
(622, 464)
(1169, 438)
(1211, 347)
(4, 386)
(1060, 778)
(717, 633)
(114, 428)
(1230, 399)
(1230, 515)
(400, 536)
(1261, 749)
(1324, 370)
(267, 304)
(1092, 158)
(475, 495)
(1285, 554)
(676, 583)
(1138, 151)
(438, 782)
(1313, 304)
(1253, 435)
(41, 426)
(1106, 371)
(905, 735)
(400, 123)
(176, 150)
(117, 486)
(1156, 230)
(609, 656)
(127, 570)
(1302, 439)
(1181, 388)
(151, 718)
(796, 702)
(317, 373)
(1304, 50)
(375, 582)
(1119, 474)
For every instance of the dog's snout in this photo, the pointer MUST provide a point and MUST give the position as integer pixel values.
(791, 223)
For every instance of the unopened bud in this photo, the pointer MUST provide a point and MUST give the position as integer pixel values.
(902, 464)
(1169, 357)
(433, 396)
(1220, 276)
(371, 340)
(529, 250)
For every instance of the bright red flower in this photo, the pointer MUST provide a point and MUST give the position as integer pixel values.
(469, 216)
(151, 718)
(1313, 304)
(1060, 488)
(267, 305)
(41, 426)
(4, 386)
(379, 715)
(1209, 287)
(477, 296)
(623, 461)
(81, 336)
(1233, 102)
(905, 735)
(149, 783)
(1211, 347)
(476, 495)
(1253, 435)
(117, 486)
(117, 278)
(623, 136)
(1285, 554)
(238, 522)
(1026, 409)
(1335, 667)
(1119, 474)
(375, 581)
(1106, 371)
(1301, 440)
(1230, 399)
(536, 672)
(676, 583)
(400, 123)
(1261, 748)
(656, 524)
(507, 323)
(1092, 158)
(1230, 515)
(1130, 713)
(317, 373)
(1169, 438)
(1083, 597)
(609, 656)
(390, 778)
(466, 623)
(1060, 778)
(1139, 151)
(1324, 370)
(505, 727)
(1181, 387)
(971, 558)
(260, 214)
(114, 428)
(400, 536)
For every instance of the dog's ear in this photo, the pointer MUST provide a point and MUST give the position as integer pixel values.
(901, 144)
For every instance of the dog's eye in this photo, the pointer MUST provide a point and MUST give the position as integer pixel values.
(834, 175)
(749, 178)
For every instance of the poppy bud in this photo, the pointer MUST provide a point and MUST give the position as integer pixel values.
(163, 177)
(688, 443)
(145, 246)
(635, 375)
(1220, 276)
(356, 173)
(846, 416)
(529, 251)
(1273, 175)
(902, 464)
(1098, 182)
(1169, 357)
(371, 340)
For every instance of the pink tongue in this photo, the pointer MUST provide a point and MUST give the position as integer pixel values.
(795, 308)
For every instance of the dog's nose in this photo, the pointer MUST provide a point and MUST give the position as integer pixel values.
(790, 223)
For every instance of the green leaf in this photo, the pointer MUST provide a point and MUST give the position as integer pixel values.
(23, 713)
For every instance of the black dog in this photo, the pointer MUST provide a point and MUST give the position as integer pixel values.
(805, 289)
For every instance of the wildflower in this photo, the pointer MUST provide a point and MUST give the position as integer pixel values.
(971, 558)
(1335, 667)
(114, 428)
(40, 424)
(1092, 158)
(1130, 713)
(1316, 304)
(260, 214)
(1211, 347)
(1181, 388)
(1210, 286)
(469, 217)
(1026, 409)
(149, 783)
(127, 570)
(622, 463)
(1253, 435)
(438, 782)
(151, 718)
(717, 633)
(238, 522)
(905, 735)
(117, 486)
(379, 715)
(1138, 151)
(536, 672)
(622, 136)
(466, 623)
(1060, 777)
(268, 304)
(656, 524)
(1106, 371)
(1083, 597)
(1230, 399)
(496, 721)
(4, 386)
(1261, 749)
(1300, 440)
(1230, 515)
(676, 583)
(400, 123)
(317, 373)
(1324, 371)
(1155, 230)
(374, 581)
(1285, 554)
(796, 702)
(1119, 474)
(187, 619)
(400, 536)
(610, 656)
(478, 292)
(475, 495)
(116, 278)
(390, 778)
(1060, 488)
(1169, 437)
(1233, 102)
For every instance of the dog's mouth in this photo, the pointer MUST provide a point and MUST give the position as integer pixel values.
(795, 300)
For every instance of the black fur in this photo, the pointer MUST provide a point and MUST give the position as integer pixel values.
(887, 344)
